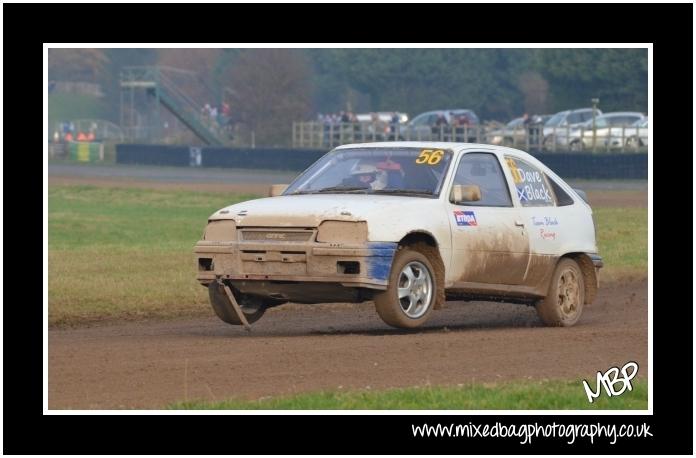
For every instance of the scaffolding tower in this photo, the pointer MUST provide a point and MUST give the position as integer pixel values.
(159, 84)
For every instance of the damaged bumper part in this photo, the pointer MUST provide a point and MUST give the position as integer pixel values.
(274, 261)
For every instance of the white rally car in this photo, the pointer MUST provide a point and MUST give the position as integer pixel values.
(407, 225)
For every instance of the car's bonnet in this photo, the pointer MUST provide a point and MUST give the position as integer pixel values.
(311, 210)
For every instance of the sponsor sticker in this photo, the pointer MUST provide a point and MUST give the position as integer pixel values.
(544, 221)
(465, 218)
(547, 235)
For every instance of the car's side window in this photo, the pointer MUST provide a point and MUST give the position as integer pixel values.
(562, 197)
(484, 171)
(532, 188)
(575, 118)
(587, 115)
(420, 120)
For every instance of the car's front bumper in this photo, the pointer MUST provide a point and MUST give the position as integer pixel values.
(367, 265)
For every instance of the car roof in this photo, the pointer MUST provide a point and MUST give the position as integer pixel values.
(622, 113)
(436, 145)
(449, 110)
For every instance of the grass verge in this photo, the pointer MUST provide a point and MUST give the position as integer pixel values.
(128, 253)
(622, 239)
(546, 395)
(125, 253)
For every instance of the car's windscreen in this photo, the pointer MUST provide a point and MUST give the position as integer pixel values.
(383, 170)
(555, 120)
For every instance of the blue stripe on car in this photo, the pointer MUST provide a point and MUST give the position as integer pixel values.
(380, 260)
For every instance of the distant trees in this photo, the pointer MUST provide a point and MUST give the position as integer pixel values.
(619, 77)
(271, 88)
(202, 61)
(496, 83)
(78, 64)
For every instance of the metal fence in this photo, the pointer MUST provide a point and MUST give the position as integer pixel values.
(534, 138)
(101, 128)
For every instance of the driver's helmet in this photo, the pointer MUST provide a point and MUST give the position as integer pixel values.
(363, 168)
(377, 176)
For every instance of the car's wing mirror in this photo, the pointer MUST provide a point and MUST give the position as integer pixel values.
(465, 193)
(277, 189)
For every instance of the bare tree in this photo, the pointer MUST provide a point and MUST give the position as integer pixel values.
(270, 88)
(202, 61)
(535, 90)
(78, 64)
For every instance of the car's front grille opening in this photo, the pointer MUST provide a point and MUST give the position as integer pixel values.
(348, 267)
(205, 264)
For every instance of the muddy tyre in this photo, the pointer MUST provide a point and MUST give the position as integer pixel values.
(253, 308)
(412, 292)
(564, 301)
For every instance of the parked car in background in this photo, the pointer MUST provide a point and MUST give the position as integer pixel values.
(457, 124)
(609, 129)
(637, 134)
(557, 129)
(381, 116)
(380, 126)
(515, 132)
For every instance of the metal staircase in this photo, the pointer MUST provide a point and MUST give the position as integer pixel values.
(156, 83)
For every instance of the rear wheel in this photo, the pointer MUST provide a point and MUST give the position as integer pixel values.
(412, 291)
(252, 307)
(563, 304)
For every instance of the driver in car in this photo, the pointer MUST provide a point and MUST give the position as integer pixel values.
(365, 174)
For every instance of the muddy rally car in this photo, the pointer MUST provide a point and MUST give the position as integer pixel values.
(408, 225)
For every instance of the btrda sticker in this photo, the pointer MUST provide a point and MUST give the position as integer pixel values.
(464, 218)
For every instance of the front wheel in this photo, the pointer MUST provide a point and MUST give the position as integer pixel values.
(564, 301)
(412, 291)
(253, 308)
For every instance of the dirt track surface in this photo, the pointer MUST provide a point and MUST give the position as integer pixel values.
(338, 347)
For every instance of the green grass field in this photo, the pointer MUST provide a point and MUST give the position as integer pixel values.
(547, 395)
(128, 253)
(125, 253)
(63, 106)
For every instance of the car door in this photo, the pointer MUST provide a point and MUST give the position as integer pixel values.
(489, 241)
(548, 223)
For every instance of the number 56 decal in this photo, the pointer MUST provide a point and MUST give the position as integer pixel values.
(430, 156)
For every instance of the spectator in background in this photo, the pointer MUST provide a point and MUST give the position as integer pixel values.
(527, 123)
(440, 124)
(90, 136)
(68, 137)
(81, 137)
